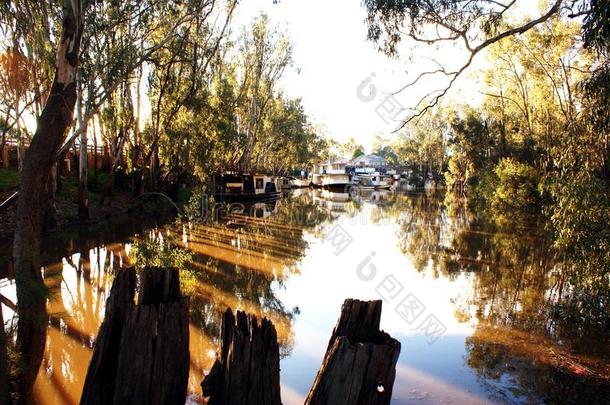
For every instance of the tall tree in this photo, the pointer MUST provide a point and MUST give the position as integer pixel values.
(50, 133)
(265, 53)
(474, 25)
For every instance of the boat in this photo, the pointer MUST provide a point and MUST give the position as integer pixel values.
(284, 183)
(245, 187)
(296, 182)
(374, 181)
(335, 176)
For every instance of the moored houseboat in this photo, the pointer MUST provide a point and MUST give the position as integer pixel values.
(300, 179)
(334, 175)
(245, 187)
(297, 182)
(374, 181)
(316, 179)
(284, 183)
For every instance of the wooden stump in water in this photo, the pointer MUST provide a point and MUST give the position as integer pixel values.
(248, 368)
(101, 375)
(145, 357)
(159, 285)
(360, 363)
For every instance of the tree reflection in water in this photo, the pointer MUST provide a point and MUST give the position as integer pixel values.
(537, 330)
(238, 260)
(535, 321)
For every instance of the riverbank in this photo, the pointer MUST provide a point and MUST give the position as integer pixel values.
(66, 204)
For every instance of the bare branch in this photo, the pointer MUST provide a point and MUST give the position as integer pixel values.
(432, 99)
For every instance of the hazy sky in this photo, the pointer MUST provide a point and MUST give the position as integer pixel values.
(333, 57)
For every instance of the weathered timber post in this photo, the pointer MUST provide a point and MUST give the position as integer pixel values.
(247, 370)
(149, 362)
(360, 363)
(101, 375)
(154, 361)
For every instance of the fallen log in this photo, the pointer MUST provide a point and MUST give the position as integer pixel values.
(359, 366)
(247, 370)
(144, 358)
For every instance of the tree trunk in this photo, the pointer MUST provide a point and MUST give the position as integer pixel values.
(19, 152)
(3, 151)
(4, 390)
(95, 146)
(360, 363)
(156, 339)
(83, 195)
(52, 124)
(248, 369)
(154, 168)
(109, 191)
(50, 215)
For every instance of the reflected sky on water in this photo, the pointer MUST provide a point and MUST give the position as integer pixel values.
(478, 307)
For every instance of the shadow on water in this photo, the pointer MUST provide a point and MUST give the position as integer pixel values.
(528, 339)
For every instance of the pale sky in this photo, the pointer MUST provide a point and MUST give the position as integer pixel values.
(333, 57)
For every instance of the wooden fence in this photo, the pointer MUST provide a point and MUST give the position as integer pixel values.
(95, 157)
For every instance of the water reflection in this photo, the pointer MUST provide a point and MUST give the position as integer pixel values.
(513, 331)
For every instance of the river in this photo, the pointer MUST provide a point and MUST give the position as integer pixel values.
(479, 308)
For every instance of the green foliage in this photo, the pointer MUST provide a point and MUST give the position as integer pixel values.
(386, 149)
(469, 138)
(516, 189)
(9, 178)
(232, 114)
(423, 146)
(596, 27)
(159, 253)
(357, 153)
(97, 183)
(538, 143)
(347, 149)
(195, 207)
(390, 21)
(580, 218)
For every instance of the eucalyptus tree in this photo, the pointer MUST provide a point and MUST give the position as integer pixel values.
(473, 25)
(53, 122)
(264, 53)
(469, 131)
(289, 139)
(180, 81)
(206, 130)
(385, 148)
(349, 148)
(111, 59)
(123, 38)
(28, 30)
(581, 185)
(580, 147)
(532, 90)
